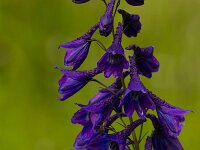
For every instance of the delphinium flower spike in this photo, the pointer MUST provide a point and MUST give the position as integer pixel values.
(100, 116)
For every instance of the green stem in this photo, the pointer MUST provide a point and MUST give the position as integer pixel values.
(118, 3)
(141, 129)
(104, 1)
(137, 147)
(99, 43)
(95, 80)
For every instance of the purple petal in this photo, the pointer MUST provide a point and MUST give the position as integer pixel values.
(75, 57)
(81, 117)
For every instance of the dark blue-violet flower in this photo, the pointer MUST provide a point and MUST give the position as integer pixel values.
(131, 23)
(106, 21)
(114, 60)
(77, 50)
(145, 61)
(135, 2)
(170, 117)
(72, 81)
(136, 97)
(80, 1)
(159, 140)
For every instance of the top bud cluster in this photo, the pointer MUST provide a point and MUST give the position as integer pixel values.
(118, 101)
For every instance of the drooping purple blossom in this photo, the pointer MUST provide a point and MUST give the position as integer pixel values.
(77, 50)
(131, 23)
(136, 97)
(170, 117)
(159, 140)
(145, 61)
(106, 21)
(72, 81)
(114, 60)
(80, 1)
(135, 2)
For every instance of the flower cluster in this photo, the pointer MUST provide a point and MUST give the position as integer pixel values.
(118, 102)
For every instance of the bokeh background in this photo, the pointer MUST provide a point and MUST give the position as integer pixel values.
(30, 31)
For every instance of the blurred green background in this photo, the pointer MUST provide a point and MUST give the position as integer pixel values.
(30, 31)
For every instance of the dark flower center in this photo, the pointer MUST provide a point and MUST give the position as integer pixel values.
(115, 59)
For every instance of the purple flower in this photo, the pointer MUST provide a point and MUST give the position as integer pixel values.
(145, 61)
(106, 21)
(135, 2)
(114, 60)
(131, 23)
(78, 49)
(80, 1)
(159, 140)
(72, 81)
(136, 97)
(169, 116)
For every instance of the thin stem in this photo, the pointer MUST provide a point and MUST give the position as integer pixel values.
(118, 4)
(97, 81)
(122, 121)
(136, 147)
(104, 1)
(121, 124)
(99, 43)
(141, 129)
(143, 136)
